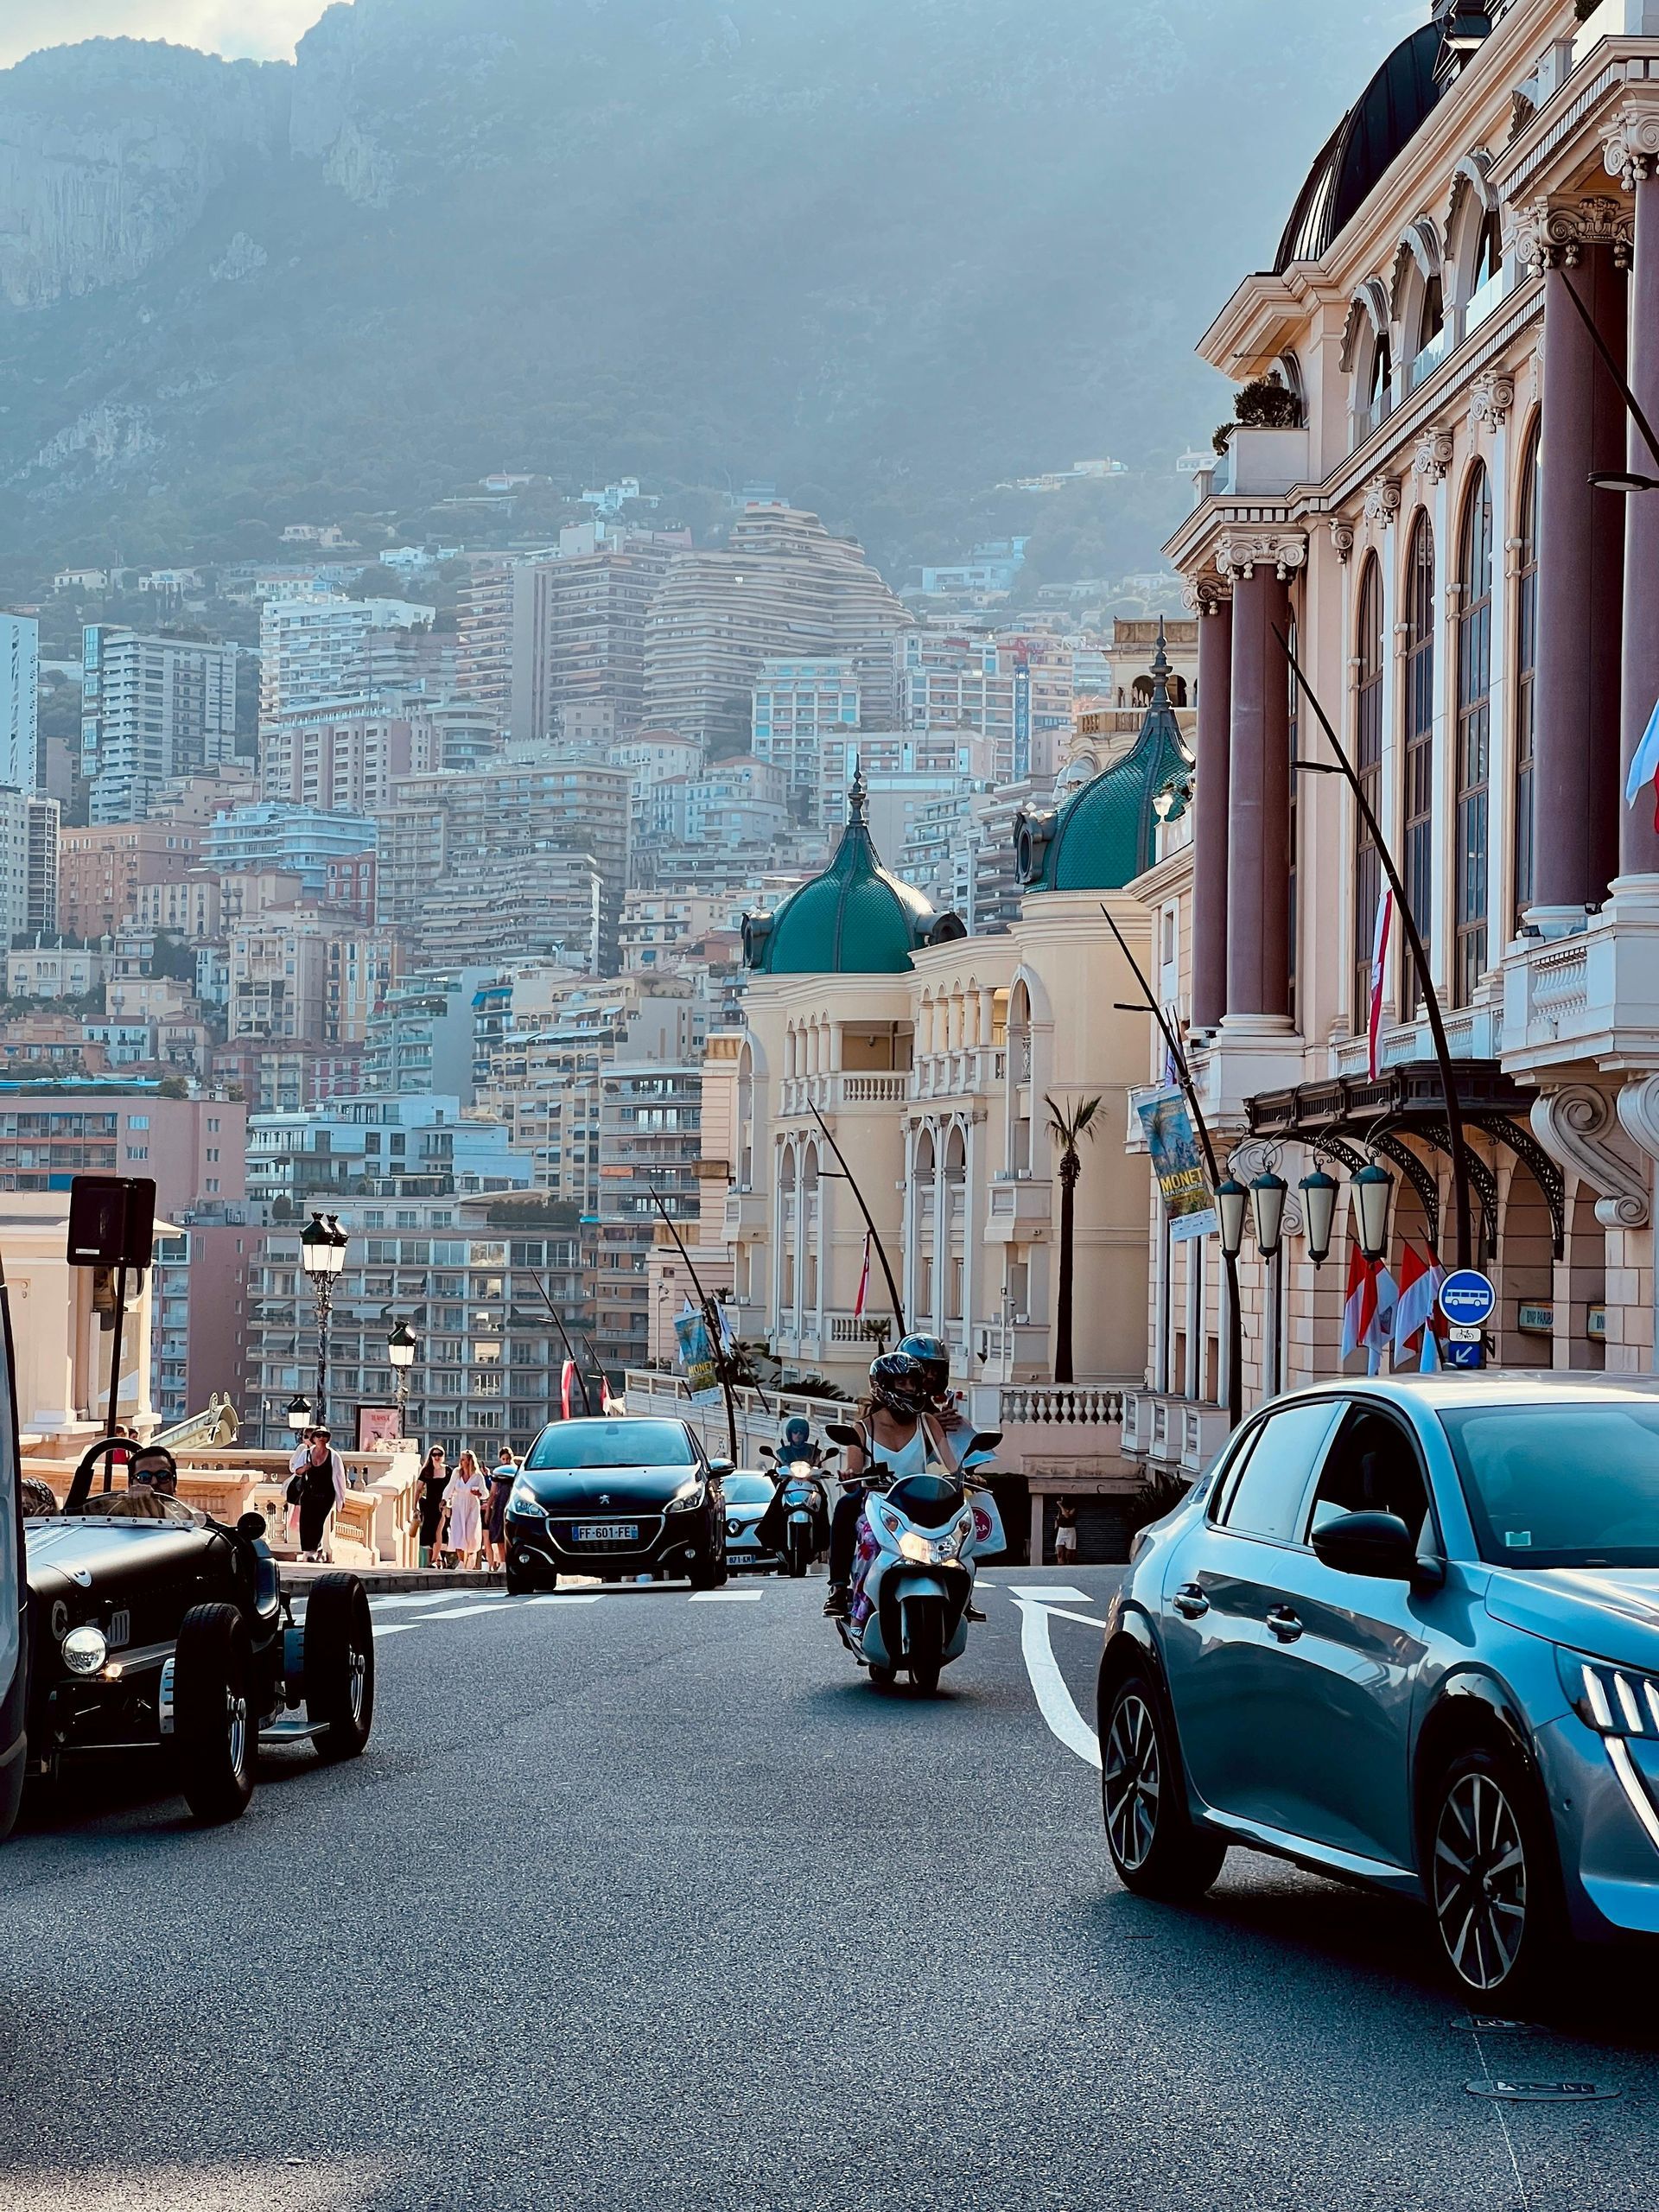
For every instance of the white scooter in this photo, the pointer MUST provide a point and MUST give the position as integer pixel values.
(801, 1496)
(913, 1576)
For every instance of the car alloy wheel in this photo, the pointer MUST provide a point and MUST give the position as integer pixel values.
(1480, 1881)
(1134, 1782)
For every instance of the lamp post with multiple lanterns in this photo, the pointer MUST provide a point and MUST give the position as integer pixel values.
(322, 1254)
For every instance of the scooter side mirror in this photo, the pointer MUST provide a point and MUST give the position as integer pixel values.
(840, 1433)
(983, 1441)
(767, 1452)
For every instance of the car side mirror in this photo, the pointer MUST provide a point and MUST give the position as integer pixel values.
(252, 1527)
(1378, 1544)
(721, 1468)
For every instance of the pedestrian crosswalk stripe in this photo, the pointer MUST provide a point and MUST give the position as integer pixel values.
(419, 1597)
(463, 1612)
(569, 1598)
(726, 1596)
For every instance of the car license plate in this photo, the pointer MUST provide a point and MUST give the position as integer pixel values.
(607, 1532)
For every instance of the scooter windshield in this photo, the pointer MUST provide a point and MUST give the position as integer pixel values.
(927, 1501)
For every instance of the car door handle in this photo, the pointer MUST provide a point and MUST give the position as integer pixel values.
(1190, 1602)
(1284, 1624)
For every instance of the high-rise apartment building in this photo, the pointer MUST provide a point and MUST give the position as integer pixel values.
(42, 833)
(484, 640)
(579, 645)
(343, 758)
(153, 709)
(297, 841)
(782, 586)
(649, 1141)
(1015, 688)
(21, 766)
(101, 868)
(322, 648)
(309, 976)
(799, 710)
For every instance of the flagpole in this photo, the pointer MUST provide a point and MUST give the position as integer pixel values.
(869, 1220)
(710, 1321)
(1184, 1077)
(1457, 1143)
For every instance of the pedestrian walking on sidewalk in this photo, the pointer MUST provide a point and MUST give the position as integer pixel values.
(465, 1496)
(318, 1488)
(429, 1487)
(1065, 1534)
(503, 1476)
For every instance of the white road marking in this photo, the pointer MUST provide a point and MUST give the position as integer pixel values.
(393, 1628)
(419, 1597)
(591, 1598)
(1061, 1613)
(1054, 1699)
(1048, 1590)
(726, 1596)
(465, 1613)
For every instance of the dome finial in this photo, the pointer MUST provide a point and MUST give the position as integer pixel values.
(1161, 669)
(858, 796)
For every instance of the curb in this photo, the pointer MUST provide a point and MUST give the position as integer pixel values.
(385, 1581)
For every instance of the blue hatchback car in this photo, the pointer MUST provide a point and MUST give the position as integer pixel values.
(1406, 1632)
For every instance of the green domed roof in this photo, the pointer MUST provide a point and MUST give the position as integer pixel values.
(1102, 837)
(855, 920)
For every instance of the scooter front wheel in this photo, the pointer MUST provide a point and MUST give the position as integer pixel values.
(881, 1678)
(926, 1659)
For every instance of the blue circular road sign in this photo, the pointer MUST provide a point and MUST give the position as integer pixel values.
(1467, 1299)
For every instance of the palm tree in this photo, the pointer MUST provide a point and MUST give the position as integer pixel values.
(1066, 1129)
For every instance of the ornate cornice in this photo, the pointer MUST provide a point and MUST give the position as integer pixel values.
(1432, 455)
(1382, 500)
(1491, 398)
(1557, 233)
(1242, 552)
(1629, 145)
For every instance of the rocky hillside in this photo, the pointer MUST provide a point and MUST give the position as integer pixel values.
(885, 252)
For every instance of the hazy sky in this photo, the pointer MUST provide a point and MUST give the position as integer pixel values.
(266, 29)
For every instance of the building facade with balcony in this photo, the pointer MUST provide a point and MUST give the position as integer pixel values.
(931, 1058)
(1480, 623)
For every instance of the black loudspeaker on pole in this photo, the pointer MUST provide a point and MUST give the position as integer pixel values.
(113, 1224)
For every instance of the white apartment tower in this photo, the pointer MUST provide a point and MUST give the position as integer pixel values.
(153, 708)
(20, 766)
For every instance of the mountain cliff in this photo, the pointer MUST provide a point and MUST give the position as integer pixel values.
(885, 252)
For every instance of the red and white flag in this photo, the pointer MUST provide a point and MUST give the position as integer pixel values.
(863, 1280)
(1359, 1308)
(1419, 1285)
(1385, 1296)
(1381, 931)
(568, 1387)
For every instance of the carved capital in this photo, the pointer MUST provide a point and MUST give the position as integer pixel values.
(1491, 398)
(1203, 595)
(1629, 145)
(1432, 455)
(1556, 234)
(1578, 1127)
(1382, 500)
(1242, 552)
(1342, 540)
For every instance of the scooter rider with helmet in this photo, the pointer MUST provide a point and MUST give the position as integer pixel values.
(798, 1443)
(899, 1431)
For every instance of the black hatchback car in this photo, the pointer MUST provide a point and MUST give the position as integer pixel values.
(616, 1496)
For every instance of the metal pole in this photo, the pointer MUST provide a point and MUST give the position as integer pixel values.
(1632, 406)
(1184, 1077)
(325, 1292)
(569, 1349)
(1459, 1149)
(870, 1223)
(711, 1322)
(115, 1347)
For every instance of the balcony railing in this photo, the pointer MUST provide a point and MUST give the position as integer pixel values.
(1429, 357)
(798, 1094)
(969, 1072)
(1020, 1203)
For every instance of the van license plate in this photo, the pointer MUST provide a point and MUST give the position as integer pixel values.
(607, 1532)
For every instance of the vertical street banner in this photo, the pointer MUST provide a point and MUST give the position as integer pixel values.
(696, 1353)
(1177, 1164)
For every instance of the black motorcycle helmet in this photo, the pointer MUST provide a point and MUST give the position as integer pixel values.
(898, 1382)
(935, 1361)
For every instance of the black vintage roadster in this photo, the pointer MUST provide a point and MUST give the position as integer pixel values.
(152, 1625)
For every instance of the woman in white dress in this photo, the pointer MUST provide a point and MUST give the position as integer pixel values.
(464, 1497)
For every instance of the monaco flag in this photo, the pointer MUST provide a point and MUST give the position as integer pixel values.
(1419, 1285)
(1359, 1309)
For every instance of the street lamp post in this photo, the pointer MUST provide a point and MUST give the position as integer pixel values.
(400, 1351)
(299, 1416)
(322, 1254)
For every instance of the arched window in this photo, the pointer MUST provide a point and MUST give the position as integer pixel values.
(1487, 264)
(1474, 736)
(1526, 669)
(1433, 318)
(1380, 396)
(1419, 862)
(1368, 763)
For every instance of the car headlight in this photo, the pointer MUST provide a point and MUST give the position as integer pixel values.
(1613, 1700)
(523, 1500)
(84, 1651)
(689, 1496)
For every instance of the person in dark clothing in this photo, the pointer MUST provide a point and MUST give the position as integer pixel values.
(318, 1489)
(431, 1485)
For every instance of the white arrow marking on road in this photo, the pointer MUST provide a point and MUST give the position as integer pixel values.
(1048, 1590)
(1054, 1699)
(1064, 1614)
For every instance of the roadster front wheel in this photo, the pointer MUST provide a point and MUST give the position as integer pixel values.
(214, 1727)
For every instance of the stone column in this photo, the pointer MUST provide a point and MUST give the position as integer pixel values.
(1215, 613)
(1258, 787)
(1580, 560)
(1631, 153)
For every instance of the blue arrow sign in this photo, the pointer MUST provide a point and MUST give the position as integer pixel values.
(1467, 1297)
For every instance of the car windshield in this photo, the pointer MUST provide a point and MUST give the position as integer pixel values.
(1561, 1486)
(570, 1444)
(747, 1490)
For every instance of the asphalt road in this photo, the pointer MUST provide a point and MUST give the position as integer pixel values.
(652, 1902)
